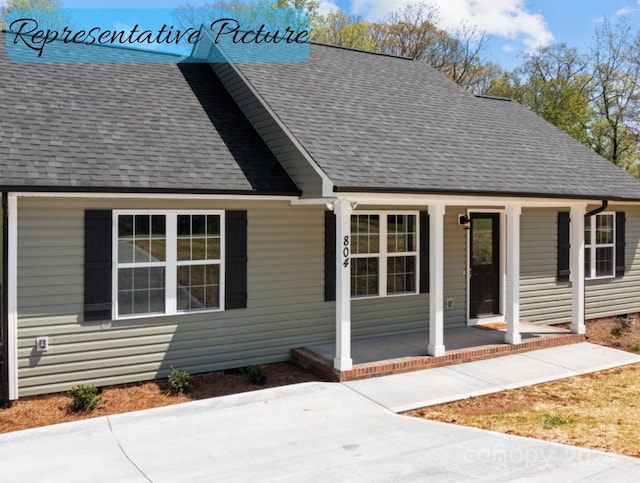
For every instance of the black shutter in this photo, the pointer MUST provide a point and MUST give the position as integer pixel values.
(424, 252)
(97, 264)
(235, 259)
(329, 256)
(563, 246)
(621, 242)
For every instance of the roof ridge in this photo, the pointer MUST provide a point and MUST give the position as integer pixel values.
(363, 51)
(494, 98)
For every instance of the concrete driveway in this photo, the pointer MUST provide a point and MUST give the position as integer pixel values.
(308, 432)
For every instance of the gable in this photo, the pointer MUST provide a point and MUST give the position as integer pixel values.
(128, 127)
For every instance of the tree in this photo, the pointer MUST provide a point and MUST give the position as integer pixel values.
(616, 96)
(459, 55)
(559, 89)
(338, 28)
(53, 17)
(410, 32)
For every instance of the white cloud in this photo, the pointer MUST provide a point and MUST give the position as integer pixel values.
(325, 7)
(504, 18)
(625, 11)
(508, 48)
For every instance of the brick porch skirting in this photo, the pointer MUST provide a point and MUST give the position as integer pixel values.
(323, 367)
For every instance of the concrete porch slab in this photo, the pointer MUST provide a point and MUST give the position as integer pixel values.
(375, 356)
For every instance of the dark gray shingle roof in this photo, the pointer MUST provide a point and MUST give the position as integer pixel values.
(383, 123)
(131, 127)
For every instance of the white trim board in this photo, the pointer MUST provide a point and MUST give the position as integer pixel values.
(150, 196)
(12, 297)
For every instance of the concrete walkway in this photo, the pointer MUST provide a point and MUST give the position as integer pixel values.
(412, 390)
(307, 432)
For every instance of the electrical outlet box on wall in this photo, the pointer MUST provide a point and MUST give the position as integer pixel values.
(42, 343)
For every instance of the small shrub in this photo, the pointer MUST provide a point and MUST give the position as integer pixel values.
(623, 324)
(557, 419)
(626, 323)
(84, 398)
(257, 375)
(636, 347)
(179, 381)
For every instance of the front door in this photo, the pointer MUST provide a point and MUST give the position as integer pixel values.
(484, 264)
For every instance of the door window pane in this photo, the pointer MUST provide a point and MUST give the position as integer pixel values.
(482, 241)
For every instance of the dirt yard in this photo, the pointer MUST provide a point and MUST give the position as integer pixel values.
(599, 411)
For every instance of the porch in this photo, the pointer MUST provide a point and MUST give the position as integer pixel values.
(393, 354)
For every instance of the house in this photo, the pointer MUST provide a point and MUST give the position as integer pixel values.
(211, 216)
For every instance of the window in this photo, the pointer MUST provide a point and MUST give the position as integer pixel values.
(384, 255)
(600, 244)
(167, 263)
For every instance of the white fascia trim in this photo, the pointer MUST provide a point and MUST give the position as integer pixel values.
(12, 297)
(152, 196)
(401, 199)
(313, 201)
(327, 184)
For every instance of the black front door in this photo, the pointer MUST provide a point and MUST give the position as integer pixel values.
(484, 264)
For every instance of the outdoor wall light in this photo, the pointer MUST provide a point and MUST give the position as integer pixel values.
(331, 205)
(464, 221)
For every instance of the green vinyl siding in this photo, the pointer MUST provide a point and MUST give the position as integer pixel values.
(543, 299)
(620, 295)
(455, 264)
(286, 307)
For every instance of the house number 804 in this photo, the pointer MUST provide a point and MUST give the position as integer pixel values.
(346, 252)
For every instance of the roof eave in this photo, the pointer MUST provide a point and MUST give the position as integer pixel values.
(484, 194)
(136, 190)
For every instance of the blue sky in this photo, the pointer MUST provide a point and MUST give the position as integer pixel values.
(514, 25)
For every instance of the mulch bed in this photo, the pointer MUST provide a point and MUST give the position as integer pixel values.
(35, 411)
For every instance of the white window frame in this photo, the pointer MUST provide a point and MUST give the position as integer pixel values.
(593, 246)
(171, 262)
(383, 254)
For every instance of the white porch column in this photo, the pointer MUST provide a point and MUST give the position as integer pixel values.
(12, 297)
(342, 209)
(577, 269)
(512, 300)
(436, 280)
